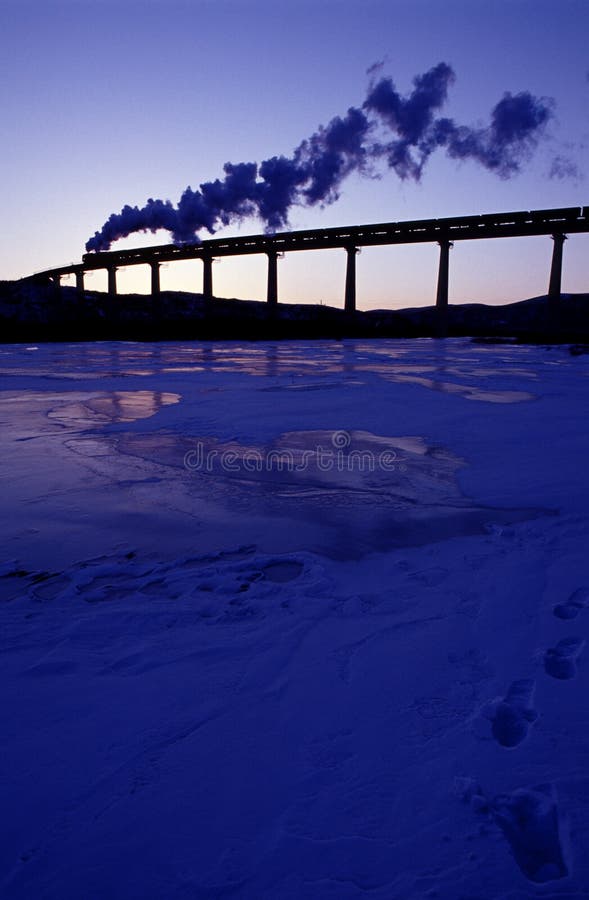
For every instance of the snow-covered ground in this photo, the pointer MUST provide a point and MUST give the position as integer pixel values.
(299, 620)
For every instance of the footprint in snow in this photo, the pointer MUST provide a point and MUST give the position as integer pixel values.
(561, 661)
(512, 717)
(531, 822)
(571, 608)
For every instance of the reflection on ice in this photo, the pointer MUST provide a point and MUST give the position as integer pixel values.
(453, 367)
(116, 406)
(34, 415)
(450, 366)
(338, 493)
(466, 391)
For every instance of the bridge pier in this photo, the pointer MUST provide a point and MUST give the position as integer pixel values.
(112, 280)
(80, 284)
(554, 285)
(443, 270)
(207, 276)
(155, 279)
(442, 290)
(350, 289)
(272, 293)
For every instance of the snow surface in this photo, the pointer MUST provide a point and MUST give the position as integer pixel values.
(230, 669)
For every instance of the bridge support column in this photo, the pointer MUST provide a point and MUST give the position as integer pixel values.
(272, 294)
(350, 289)
(155, 279)
(112, 281)
(80, 284)
(442, 291)
(207, 277)
(554, 285)
(56, 279)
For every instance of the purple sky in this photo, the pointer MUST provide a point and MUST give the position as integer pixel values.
(107, 104)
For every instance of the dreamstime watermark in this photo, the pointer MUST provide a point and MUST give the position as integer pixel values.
(339, 457)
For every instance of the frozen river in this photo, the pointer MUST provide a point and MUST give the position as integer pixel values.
(294, 620)
(288, 446)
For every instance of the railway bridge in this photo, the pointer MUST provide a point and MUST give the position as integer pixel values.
(555, 223)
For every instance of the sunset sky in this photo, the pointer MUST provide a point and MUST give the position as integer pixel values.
(111, 103)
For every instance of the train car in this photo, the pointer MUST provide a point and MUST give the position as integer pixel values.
(519, 217)
(567, 214)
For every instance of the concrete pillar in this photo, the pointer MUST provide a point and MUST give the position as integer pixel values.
(441, 324)
(350, 290)
(556, 267)
(112, 281)
(207, 277)
(80, 284)
(56, 279)
(442, 292)
(155, 279)
(272, 295)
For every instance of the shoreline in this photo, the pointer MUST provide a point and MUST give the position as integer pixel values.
(36, 312)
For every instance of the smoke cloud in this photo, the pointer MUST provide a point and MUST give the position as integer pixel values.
(401, 131)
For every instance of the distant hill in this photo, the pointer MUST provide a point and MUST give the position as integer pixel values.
(33, 311)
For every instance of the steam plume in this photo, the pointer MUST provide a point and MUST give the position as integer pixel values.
(402, 131)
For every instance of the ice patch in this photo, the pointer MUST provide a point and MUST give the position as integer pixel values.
(342, 493)
(468, 392)
(116, 406)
